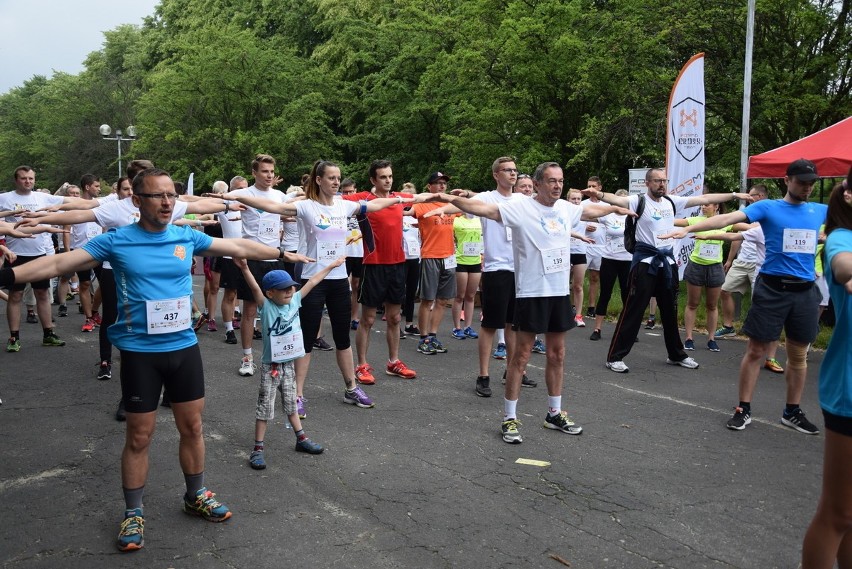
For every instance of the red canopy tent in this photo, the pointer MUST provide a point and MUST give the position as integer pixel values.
(830, 149)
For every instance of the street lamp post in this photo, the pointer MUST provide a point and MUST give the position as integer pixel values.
(129, 134)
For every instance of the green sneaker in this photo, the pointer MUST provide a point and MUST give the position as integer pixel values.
(130, 536)
(14, 345)
(206, 505)
(52, 340)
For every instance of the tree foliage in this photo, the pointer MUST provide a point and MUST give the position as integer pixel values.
(430, 84)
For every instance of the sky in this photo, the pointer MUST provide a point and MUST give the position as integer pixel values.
(43, 36)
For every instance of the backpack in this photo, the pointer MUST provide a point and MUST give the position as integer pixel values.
(630, 224)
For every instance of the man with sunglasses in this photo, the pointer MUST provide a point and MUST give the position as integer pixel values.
(158, 346)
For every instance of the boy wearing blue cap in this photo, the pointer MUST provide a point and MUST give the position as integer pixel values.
(278, 304)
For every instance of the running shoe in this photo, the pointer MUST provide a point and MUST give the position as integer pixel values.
(458, 334)
(561, 422)
(204, 504)
(96, 318)
(590, 312)
(772, 365)
(31, 318)
(354, 325)
(52, 340)
(256, 335)
(104, 370)
(500, 352)
(63, 311)
(235, 323)
(579, 320)
(308, 446)
(130, 536)
(689, 344)
(439, 347)
(538, 347)
(14, 345)
(257, 460)
(687, 362)
(364, 374)
(230, 337)
(725, 332)
(199, 321)
(649, 325)
(247, 367)
(237, 314)
(525, 380)
(471, 333)
(739, 421)
(618, 367)
(301, 410)
(797, 420)
(88, 325)
(358, 398)
(211, 326)
(425, 347)
(713, 346)
(482, 386)
(321, 344)
(596, 335)
(511, 434)
(399, 369)
(412, 329)
(70, 296)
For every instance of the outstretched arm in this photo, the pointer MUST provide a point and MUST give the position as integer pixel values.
(66, 218)
(260, 203)
(476, 207)
(708, 199)
(593, 212)
(621, 201)
(242, 248)
(48, 267)
(715, 222)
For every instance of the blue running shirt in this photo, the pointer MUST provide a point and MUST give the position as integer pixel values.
(791, 232)
(150, 270)
(835, 373)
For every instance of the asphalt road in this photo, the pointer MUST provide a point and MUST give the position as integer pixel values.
(423, 479)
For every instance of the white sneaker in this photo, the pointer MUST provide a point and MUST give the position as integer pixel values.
(688, 363)
(579, 320)
(618, 367)
(247, 367)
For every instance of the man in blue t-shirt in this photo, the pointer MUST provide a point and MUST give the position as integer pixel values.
(784, 295)
(158, 347)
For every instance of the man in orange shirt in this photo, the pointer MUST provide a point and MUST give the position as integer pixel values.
(437, 266)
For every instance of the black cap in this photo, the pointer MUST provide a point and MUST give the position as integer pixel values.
(804, 170)
(435, 176)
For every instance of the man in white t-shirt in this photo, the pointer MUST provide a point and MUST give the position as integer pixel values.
(23, 197)
(261, 227)
(541, 229)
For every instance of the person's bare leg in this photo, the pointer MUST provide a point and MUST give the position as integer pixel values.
(362, 335)
(393, 315)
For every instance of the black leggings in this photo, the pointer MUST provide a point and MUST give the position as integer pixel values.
(109, 308)
(335, 295)
(412, 279)
(610, 269)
